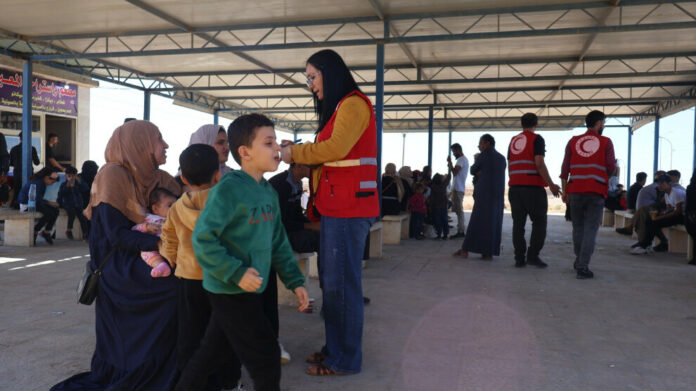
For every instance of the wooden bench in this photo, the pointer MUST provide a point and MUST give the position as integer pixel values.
(19, 226)
(623, 219)
(680, 241)
(607, 218)
(395, 228)
(376, 240)
(304, 260)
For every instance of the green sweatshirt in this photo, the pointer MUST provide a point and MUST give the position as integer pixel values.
(240, 227)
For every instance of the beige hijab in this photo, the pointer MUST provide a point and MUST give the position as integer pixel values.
(406, 175)
(390, 171)
(130, 172)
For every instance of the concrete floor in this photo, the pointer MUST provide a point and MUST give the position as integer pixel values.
(435, 322)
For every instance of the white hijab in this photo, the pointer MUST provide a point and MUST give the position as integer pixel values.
(207, 134)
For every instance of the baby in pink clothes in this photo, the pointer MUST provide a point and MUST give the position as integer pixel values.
(160, 202)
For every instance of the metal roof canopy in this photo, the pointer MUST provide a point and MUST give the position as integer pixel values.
(477, 65)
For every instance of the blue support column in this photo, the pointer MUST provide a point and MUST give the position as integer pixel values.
(656, 144)
(216, 117)
(449, 145)
(628, 159)
(146, 106)
(694, 161)
(294, 136)
(27, 78)
(379, 108)
(430, 137)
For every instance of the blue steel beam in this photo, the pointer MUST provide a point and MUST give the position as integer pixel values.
(450, 81)
(356, 19)
(477, 90)
(27, 78)
(656, 144)
(379, 108)
(430, 137)
(374, 41)
(146, 105)
(216, 117)
(469, 63)
(628, 160)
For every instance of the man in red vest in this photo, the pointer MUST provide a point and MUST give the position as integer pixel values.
(528, 177)
(589, 162)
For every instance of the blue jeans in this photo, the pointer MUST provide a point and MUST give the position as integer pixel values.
(341, 253)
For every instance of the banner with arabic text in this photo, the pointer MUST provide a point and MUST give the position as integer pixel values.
(48, 95)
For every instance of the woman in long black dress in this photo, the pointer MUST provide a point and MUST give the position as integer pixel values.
(135, 313)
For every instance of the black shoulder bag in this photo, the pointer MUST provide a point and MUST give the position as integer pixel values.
(87, 288)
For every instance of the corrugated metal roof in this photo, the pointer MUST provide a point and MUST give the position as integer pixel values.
(478, 64)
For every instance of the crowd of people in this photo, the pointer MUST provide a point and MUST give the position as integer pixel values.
(589, 184)
(189, 292)
(188, 288)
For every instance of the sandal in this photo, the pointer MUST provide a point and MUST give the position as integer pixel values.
(315, 358)
(322, 370)
(461, 253)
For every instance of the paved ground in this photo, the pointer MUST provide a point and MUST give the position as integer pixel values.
(435, 322)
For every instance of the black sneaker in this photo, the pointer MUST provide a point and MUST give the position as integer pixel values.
(47, 237)
(660, 248)
(520, 262)
(537, 262)
(69, 235)
(624, 231)
(584, 274)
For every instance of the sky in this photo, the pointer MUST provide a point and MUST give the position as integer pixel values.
(110, 104)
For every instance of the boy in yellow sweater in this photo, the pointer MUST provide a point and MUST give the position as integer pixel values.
(199, 170)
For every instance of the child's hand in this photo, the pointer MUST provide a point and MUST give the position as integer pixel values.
(302, 297)
(251, 282)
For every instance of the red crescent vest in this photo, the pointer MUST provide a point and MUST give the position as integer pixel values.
(521, 164)
(348, 187)
(588, 169)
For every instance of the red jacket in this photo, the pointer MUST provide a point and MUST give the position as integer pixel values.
(348, 187)
(588, 165)
(521, 164)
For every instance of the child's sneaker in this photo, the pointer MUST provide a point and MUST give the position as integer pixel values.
(284, 355)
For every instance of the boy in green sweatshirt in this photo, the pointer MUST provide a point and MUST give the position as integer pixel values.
(238, 237)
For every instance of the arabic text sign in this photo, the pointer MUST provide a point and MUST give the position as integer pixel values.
(49, 96)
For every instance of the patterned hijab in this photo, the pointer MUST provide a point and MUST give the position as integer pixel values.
(130, 172)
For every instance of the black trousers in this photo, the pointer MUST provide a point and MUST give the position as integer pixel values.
(654, 228)
(194, 313)
(304, 241)
(691, 229)
(238, 325)
(49, 215)
(75, 212)
(529, 201)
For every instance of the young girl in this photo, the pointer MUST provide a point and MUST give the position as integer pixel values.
(160, 202)
(438, 205)
(416, 204)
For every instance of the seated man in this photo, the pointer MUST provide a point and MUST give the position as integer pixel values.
(302, 234)
(646, 198)
(676, 177)
(674, 199)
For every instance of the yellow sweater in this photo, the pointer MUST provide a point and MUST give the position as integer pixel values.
(175, 244)
(352, 118)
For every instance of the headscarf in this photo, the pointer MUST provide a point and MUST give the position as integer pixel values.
(406, 175)
(207, 134)
(390, 171)
(130, 172)
(89, 171)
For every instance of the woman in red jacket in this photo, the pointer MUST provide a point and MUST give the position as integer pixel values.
(344, 189)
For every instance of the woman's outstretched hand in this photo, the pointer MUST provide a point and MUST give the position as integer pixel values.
(302, 297)
(286, 151)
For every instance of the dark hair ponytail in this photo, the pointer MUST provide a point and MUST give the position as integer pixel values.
(337, 83)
